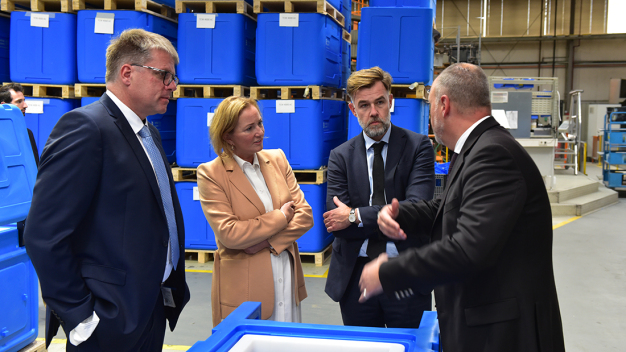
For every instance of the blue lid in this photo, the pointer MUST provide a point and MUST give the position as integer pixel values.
(18, 170)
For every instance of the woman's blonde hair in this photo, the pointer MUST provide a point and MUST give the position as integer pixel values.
(224, 121)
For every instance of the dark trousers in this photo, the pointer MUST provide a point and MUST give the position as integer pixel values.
(150, 341)
(380, 311)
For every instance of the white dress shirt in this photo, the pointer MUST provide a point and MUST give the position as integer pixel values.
(392, 251)
(84, 330)
(285, 307)
(461, 142)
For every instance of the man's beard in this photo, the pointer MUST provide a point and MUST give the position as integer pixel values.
(375, 131)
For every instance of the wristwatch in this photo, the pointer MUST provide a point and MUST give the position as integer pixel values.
(352, 216)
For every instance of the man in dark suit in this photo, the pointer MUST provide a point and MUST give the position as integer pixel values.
(365, 173)
(490, 256)
(105, 230)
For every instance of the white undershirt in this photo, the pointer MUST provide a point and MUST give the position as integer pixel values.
(285, 307)
(461, 141)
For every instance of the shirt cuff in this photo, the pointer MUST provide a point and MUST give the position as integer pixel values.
(358, 214)
(84, 330)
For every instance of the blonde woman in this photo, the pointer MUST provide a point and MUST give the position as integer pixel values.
(257, 211)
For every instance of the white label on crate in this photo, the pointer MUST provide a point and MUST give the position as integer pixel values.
(209, 118)
(285, 106)
(289, 20)
(393, 105)
(205, 20)
(39, 20)
(34, 106)
(104, 23)
(499, 97)
(196, 194)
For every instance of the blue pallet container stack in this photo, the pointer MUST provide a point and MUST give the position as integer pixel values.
(5, 25)
(396, 35)
(304, 49)
(19, 311)
(43, 121)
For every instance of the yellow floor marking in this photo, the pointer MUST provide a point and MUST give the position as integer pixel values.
(566, 222)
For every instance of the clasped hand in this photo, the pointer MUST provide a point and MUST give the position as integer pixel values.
(289, 210)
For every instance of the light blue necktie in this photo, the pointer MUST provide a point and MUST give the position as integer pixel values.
(164, 187)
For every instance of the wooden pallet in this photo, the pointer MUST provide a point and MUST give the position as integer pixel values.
(209, 91)
(346, 36)
(146, 6)
(215, 6)
(405, 91)
(35, 346)
(297, 92)
(203, 255)
(311, 177)
(320, 257)
(47, 90)
(84, 90)
(36, 5)
(304, 6)
(184, 174)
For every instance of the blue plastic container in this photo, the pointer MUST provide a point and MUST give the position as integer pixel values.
(18, 170)
(193, 145)
(42, 124)
(19, 311)
(346, 11)
(411, 114)
(5, 25)
(398, 40)
(317, 238)
(404, 3)
(221, 55)
(346, 62)
(198, 233)
(43, 55)
(165, 123)
(246, 320)
(308, 135)
(91, 47)
(309, 54)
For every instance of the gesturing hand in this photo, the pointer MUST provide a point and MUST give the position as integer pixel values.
(387, 223)
(369, 283)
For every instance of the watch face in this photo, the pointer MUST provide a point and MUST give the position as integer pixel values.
(352, 217)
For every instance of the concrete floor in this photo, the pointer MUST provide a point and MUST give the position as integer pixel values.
(589, 266)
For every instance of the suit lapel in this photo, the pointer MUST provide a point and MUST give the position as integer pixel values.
(397, 142)
(359, 170)
(135, 145)
(269, 172)
(242, 184)
(460, 160)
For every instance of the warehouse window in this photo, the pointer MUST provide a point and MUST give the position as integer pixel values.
(615, 17)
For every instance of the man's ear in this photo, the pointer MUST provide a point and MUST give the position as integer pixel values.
(351, 106)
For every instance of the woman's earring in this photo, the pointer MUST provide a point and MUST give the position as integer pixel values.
(232, 147)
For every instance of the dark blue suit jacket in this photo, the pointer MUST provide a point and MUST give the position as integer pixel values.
(409, 177)
(97, 233)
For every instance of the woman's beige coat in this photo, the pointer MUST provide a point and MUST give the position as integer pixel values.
(238, 219)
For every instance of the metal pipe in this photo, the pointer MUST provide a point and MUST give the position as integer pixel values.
(556, 4)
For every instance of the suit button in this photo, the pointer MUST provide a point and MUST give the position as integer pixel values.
(164, 243)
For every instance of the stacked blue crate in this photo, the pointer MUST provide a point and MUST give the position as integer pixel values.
(5, 25)
(193, 145)
(398, 40)
(304, 51)
(165, 123)
(41, 124)
(223, 54)
(404, 3)
(408, 113)
(198, 233)
(43, 47)
(91, 47)
(19, 294)
(346, 11)
(346, 62)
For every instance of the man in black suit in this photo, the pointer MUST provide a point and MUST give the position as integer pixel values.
(105, 230)
(490, 256)
(365, 173)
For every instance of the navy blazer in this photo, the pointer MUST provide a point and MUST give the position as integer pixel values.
(97, 233)
(490, 260)
(409, 177)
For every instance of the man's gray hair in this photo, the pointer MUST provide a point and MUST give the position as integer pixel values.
(466, 85)
(134, 46)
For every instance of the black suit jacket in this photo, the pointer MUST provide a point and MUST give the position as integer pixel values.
(96, 231)
(490, 260)
(409, 177)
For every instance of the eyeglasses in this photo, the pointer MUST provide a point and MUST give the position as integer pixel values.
(168, 77)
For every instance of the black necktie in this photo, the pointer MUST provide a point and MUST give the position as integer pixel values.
(452, 160)
(379, 244)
